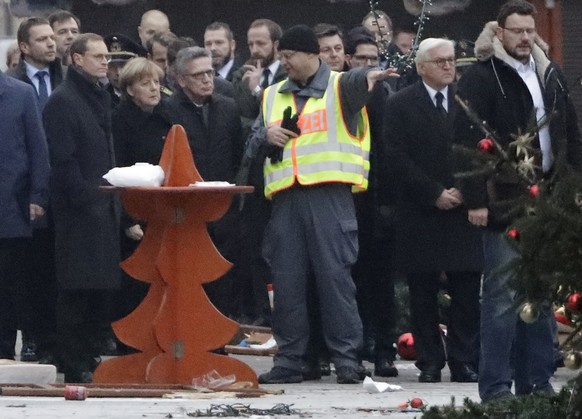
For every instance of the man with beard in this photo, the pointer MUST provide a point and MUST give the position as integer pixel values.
(262, 70)
(513, 86)
(218, 39)
(66, 27)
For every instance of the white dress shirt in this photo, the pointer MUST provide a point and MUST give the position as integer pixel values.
(432, 93)
(529, 76)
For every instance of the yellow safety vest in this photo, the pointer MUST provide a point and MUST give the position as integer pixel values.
(325, 151)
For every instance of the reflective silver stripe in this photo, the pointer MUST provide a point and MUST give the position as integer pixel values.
(278, 174)
(270, 101)
(307, 149)
(326, 145)
(328, 166)
(330, 109)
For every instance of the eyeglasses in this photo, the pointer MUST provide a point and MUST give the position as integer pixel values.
(372, 59)
(441, 62)
(520, 31)
(201, 75)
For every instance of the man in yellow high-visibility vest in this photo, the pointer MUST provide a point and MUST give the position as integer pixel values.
(312, 233)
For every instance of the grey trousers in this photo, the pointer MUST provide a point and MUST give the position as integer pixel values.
(313, 232)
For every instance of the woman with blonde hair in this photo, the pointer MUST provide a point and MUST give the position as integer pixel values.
(139, 124)
(139, 127)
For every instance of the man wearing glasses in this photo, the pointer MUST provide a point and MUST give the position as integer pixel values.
(513, 85)
(432, 235)
(212, 123)
(373, 273)
(77, 119)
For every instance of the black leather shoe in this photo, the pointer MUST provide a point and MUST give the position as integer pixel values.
(385, 368)
(347, 375)
(311, 372)
(429, 376)
(280, 375)
(462, 373)
(363, 372)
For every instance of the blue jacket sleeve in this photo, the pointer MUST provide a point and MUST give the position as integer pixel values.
(37, 149)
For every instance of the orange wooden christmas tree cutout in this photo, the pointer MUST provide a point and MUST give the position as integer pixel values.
(176, 326)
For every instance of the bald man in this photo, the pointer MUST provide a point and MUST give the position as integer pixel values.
(152, 22)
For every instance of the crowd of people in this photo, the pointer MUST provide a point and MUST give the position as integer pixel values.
(354, 177)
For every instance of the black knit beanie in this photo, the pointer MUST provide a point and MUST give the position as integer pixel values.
(299, 38)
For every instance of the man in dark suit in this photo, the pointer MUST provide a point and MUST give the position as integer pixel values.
(331, 46)
(262, 70)
(40, 68)
(249, 81)
(66, 27)
(432, 232)
(212, 124)
(39, 65)
(373, 273)
(24, 165)
(86, 219)
(219, 40)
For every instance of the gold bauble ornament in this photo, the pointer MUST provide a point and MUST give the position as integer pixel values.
(573, 360)
(529, 312)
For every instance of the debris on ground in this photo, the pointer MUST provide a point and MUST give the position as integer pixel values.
(239, 410)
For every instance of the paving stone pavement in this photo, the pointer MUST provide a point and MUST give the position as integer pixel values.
(315, 399)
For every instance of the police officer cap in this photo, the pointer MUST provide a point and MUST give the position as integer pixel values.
(299, 38)
(465, 53)
(121, 48)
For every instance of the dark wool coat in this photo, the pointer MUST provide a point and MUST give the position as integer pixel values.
(77, 119)
(24, 161)
(250, 106)
(138, 136)
(498, 95)
(216, 146)
(418, 154)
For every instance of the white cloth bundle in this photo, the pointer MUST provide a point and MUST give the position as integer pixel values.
(140, 174)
